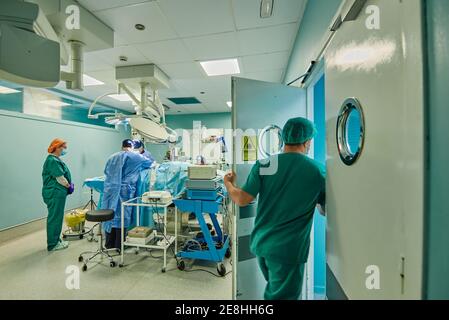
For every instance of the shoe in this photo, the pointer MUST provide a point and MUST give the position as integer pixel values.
(60, 246)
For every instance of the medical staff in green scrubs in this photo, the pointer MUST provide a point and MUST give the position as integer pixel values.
(290, 186)
(57, 184)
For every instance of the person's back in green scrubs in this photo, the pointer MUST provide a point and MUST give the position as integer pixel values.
(54, 193)
(286, 205)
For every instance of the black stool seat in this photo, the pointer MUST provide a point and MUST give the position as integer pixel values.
(100, 215)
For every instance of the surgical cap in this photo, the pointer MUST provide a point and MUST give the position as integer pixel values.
(128, 143)
(298, 131)
(55, 144)
(137, 144)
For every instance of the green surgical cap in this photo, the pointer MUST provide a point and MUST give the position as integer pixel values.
(298, 131)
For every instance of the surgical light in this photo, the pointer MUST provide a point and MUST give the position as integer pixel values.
(6, 90)
(221, 67)
(55, 103)
(89, 81)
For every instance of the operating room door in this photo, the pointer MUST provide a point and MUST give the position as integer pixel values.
(256, 105)
(375, 198)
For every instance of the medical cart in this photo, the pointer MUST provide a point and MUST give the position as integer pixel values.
(163, 238)
(204, 247)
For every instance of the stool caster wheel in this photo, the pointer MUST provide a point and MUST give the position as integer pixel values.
(113, 264)
(181, 265)
(81, 237)
(228, 253)
(120, 265)
(221, 269)
(64, 237)
(136, 252)
(84, 268)
(163, 270)
(80, 259)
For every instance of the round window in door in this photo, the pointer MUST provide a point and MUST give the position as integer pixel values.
(270, 141)
(350, 131)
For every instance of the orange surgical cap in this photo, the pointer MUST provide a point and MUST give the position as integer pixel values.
(55, 144)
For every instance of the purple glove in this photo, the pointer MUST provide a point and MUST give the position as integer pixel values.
(71, 189)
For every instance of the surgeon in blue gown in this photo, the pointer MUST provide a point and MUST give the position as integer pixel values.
(139, 147)
(122, 173)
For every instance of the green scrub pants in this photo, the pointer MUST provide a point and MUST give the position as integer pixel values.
(284, 280)
(56, 207)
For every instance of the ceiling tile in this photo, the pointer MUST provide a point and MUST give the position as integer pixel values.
(93, 63)
(199, 17)
(95, 5)
(247, 13)
(123, 20)
(266, 40)
(106, 76)
(218, 46)
(263, 62)
(112, 56)
(185, 70)
(212, 86)
(171, 51)
(268, 76)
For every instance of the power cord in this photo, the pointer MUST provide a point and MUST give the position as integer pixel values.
(210, 272)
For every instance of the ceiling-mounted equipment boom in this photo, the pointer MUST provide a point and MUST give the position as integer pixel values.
(149, 119)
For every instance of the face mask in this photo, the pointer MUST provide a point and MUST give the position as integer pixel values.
(63, 153)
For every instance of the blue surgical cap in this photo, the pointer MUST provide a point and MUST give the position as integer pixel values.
(128, 143)
(298, 131)
(138, 144)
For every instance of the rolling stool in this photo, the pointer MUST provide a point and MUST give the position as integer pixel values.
(98, 216)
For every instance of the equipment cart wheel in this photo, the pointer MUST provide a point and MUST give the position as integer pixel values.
(80, 259)
(228, 253)
(64, 237)
(181, 265)
(81, 237)
(113, 264)
(120, 265)
(163, 270)
(221, 269)
(85, 268)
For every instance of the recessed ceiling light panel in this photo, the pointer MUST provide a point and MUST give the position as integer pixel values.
(266, 8)
(221, 67)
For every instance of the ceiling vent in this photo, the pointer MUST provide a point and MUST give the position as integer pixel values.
(185, 100)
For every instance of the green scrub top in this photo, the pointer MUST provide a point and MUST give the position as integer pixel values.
(286, 205)
(53, 168)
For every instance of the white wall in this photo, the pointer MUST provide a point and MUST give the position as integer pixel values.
(24, 141)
